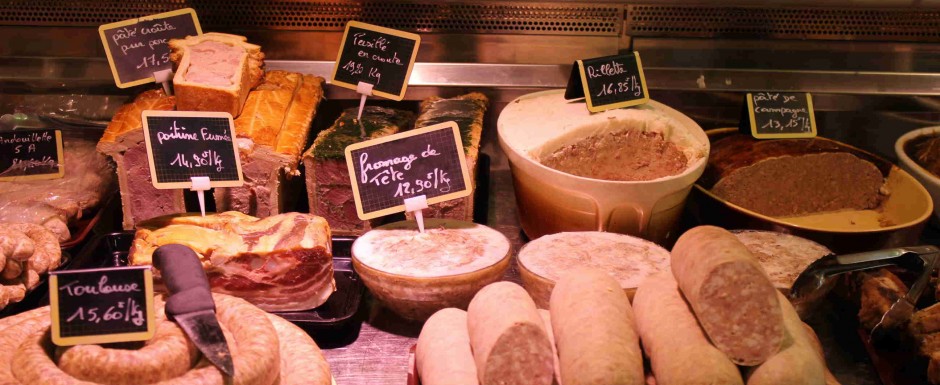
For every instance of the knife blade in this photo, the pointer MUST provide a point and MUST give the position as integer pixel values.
(191, 305)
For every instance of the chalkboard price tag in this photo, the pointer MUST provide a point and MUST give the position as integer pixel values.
(28, 154)
(186, 144)
(780, 115)
(136, 48)
(382, 57)
(98, 306)
(608, 82)
(428, 161)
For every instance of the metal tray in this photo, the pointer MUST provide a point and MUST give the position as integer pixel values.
(329, 321)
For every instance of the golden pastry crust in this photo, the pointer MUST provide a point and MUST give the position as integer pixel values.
(195, 96)
(127, 119)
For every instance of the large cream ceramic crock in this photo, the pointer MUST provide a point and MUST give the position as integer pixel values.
(930, 181)
(551, 201)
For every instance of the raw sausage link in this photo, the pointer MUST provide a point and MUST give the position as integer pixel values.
(302, 363)
(797, 363)
(594, 330)
(507, 337)
(443, 355)
(46, 255)
(547, 319)
(730, 294)
(679, 352)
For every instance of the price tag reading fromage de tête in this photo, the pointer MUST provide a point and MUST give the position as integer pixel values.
(781, 115)
(608, 82)
(97, 306)
(27, 154)
(136, 48)
(428, 161)
(185, 144)
(379, 56)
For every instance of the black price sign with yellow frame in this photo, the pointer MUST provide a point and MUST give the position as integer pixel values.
(382, 57)
(780, 115)
(608, 82)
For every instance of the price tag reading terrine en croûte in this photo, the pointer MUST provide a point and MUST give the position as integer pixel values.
(427, 161)
(182, 145)
(98, 306)
(136, 48)
(608, 82)
(781, 115)
(382, 57)
(27, 154)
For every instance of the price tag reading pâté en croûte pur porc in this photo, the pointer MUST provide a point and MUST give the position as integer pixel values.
(29, 154)
(136, 48)
(375, 55)
(427, 161)
(608, 82)
(182, 145)
(98, 306)
(780, 115)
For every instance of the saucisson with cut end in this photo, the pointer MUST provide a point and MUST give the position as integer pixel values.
(508, 338)
(594, 330)
(730, 294)
(547, 319)
(798, 363)
(679, 351)
(443, 355)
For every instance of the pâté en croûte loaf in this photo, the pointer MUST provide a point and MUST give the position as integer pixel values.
(271, 132)
(328, 187)
(215, 72)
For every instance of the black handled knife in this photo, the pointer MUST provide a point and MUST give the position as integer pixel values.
(190, 303)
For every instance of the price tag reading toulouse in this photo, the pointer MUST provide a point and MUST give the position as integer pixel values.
(97, 306)
(608, 82)
(186, 144)
(27, 154)
(382, 57)
(780, 115)
(427, 161)
(136, 48)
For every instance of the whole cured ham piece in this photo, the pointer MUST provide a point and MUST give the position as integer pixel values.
(279, 263)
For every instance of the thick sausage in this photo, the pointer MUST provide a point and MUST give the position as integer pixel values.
(547, 319)
(817, 346)
(679, 352)
(730, 294)
(594, 330)
(798, 363)
(443, 354)
(509, 343)
(302, 362)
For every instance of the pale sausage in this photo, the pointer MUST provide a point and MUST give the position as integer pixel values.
(730, 294)
(547, 319)
(594, 330)
(797, 363)
(443, 355)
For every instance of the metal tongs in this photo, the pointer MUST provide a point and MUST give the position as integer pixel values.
(815, 281)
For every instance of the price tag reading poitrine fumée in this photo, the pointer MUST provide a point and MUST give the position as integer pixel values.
(98, 306)
(28, 154)
(427, 161)
(382, 57)
(185, 144)
(136, 48)
(781, 115)
(608, 82)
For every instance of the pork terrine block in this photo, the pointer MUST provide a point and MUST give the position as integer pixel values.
(123, 141)
(467, 111)
(271, 134)
(328, 190)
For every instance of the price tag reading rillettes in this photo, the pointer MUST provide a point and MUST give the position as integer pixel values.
(382, 57)
(97, 306)
(428, 161)
(27, 154)
(608, 82)
(781, 115)
(136, 48)
(185, 144)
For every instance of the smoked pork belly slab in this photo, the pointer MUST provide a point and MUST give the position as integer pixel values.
(279, 263)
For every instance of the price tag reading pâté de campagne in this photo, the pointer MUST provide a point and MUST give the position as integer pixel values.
(428, 161)
(780, 115)
(28, 154)
(136, 48)
(608, 82)
(185, 144)
(98, 306)
(382, 57)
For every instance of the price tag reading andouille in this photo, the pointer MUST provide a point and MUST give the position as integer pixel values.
(428, 161)
(608, 82)
(136, 48)
(29, 154)
(382, 57)
(781, 115)
(96, 306)
(186, 144)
